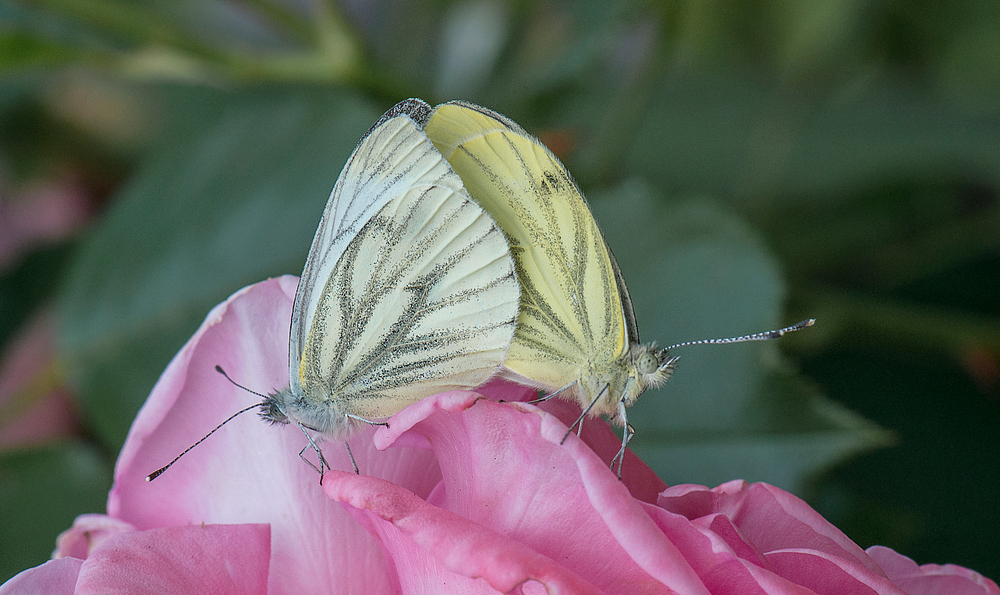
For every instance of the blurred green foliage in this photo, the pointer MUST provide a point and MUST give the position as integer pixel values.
(751, 163)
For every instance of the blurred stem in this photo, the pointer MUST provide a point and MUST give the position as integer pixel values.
(167, 63)
(861, 320)
(332, 51)
(288, 21)
(129, 21)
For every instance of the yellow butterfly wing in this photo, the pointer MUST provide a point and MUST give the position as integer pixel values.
(409, 288)
(572, 326)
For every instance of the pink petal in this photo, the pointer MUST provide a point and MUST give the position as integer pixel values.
(210, 559)
(55, 577)
(499, 389)
(398, 432)
(253, 314)
(724, 561)
(40, 214)
(88, 532)
(931, 579)
(768, 517)
(781, 542)
(640, 480)
(829, 574)
(44, 409)
(250, 471)
(436, 551)
(502, 473)
(633, 529)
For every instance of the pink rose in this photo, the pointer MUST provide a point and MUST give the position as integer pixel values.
(38, 407)
(468, 496)
(42, 213)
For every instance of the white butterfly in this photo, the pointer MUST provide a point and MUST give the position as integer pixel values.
(409, 290)
(576, 332)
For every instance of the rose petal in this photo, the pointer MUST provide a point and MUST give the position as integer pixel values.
(829, 574)
(770, 518)
(633, 529)
(931, 579)
(88, 532)
(499, 389)
(250, 471)
(210, 559)
(500, 472)
(55, 577)
(429, 546)
(398, 431)
(723, 560)
(640, 480)
(242, 334)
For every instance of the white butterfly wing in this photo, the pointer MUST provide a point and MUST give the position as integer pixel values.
(372, 177)
(409, 288)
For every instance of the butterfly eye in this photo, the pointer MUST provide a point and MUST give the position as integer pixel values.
(270, 410)
(647, 363)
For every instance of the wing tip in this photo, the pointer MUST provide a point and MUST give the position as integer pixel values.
(415, 109)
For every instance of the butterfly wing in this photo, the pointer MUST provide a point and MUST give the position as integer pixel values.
(371, 178)
(572, 311)
(409, 288)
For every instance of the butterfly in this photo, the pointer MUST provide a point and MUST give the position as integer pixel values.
(408, 290)
(576, 332)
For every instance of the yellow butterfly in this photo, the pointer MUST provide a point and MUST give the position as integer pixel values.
(576, 332)
(408, 290)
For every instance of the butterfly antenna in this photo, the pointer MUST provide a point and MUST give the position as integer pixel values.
(218, 369)
(764, 336)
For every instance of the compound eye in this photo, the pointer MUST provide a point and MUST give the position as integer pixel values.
(271, 411)
(647, 363)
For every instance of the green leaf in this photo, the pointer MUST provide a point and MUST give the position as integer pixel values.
(139, 23)
(695, 271)
(226, 202)
(736, 136)
(764, 449)
(41, 491)
(26, 288)
(23, 50)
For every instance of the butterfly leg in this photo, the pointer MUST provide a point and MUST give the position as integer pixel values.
(302, 455)
(351, 455)
(323, 465)
(367, 421)
(627, 434)
(579, 420)
(322, 462)
(550, 395)
(349, 416)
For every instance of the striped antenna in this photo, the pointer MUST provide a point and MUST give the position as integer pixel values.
(764, 336)
(218, 369)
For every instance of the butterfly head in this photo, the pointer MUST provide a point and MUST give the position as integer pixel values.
(602, 389)
(647, 367)
(323, 416)
(272, 408)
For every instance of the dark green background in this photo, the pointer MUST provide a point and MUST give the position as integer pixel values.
(751, 164)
